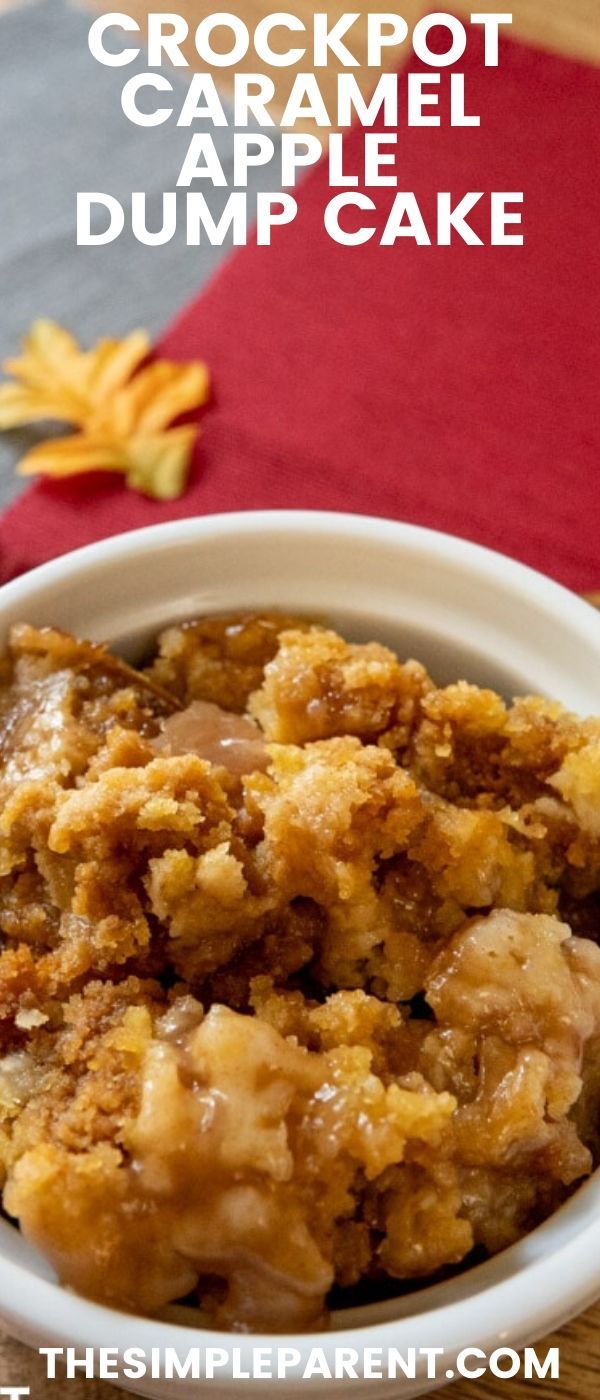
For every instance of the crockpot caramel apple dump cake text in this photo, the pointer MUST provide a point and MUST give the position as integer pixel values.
(300, 984)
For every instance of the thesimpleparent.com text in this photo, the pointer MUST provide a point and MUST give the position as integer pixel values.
(250, 1362)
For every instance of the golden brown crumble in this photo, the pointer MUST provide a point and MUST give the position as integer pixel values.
(300, 984)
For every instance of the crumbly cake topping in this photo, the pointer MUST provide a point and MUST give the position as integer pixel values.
(300, 984)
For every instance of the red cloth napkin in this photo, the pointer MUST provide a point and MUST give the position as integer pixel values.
(453, 387)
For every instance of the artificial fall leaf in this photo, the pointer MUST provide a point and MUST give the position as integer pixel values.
(154, 463)
(158, 394)
(57, 379)
(123, 408)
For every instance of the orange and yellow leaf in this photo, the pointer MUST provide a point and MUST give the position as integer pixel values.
(123, 408)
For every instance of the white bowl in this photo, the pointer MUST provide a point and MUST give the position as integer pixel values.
(461, 609)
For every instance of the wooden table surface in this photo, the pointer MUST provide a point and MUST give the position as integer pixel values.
(571, 27)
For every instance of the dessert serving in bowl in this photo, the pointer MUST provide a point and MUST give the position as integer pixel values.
(300, 980)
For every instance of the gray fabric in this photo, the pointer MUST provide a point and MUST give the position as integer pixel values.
(62, 130)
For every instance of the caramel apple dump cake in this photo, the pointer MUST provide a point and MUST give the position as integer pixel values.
(300, 984)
